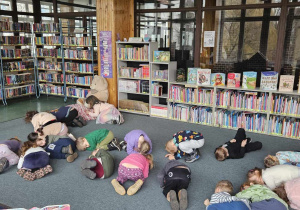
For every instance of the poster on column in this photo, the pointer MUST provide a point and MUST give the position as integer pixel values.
(106, 54)
(209, 39)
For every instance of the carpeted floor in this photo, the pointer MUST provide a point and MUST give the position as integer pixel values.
(66, 185)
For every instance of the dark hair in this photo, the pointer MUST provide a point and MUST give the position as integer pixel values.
(280, 191)
(32, 138)
(220, 154)
(29, 115)
(92, 100)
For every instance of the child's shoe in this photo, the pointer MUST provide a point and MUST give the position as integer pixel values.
(123, 145)
(27, 175)
(67, 150)
(43, 171)
(193, 157)
(183, 201)
(83, 122)
(114, 145)
(135, 187)
(173, 200)
(3, 164)
(89, 173)
(249, 140)
(77, 122)
(118, 187)
(89, 163)
(71, 158)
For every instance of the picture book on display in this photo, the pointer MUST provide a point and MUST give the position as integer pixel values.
(192, 75)
(161, 56)
(203, 76)
(234, 80)
(249, 79)
(217, 79)
(286, 83)
(269, 80)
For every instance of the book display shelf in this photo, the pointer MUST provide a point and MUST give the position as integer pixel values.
(17, 64)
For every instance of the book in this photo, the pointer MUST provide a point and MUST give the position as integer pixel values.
(180, 75)
(234, 80)
(269, 80)
(203, 76)
(161, 56)
(217, 79)
(299, 85)
(249, 79)
(286, 83)
(192, 75)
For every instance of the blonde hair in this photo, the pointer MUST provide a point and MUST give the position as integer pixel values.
(220, 154)
(270, 161)
(253, 174)
(225, 186)
(144, 149)
(80, 144)
(244, 185)
(168, 148)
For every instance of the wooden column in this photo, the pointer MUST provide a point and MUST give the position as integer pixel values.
(118, 17)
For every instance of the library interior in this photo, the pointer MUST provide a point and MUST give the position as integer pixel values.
(170, 95)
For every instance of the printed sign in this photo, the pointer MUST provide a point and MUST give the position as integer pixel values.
(209, 38)
(106, 54)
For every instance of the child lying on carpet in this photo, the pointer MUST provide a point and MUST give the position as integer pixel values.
(283, 157)
(134, 167)
(69, 116)
(9, 153)
(133, 141)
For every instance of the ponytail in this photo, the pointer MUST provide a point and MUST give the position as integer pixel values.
(29, 116)
(150, 160)
(32, 138)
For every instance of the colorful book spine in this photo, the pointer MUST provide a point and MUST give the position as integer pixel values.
(51, 89)
(179, 112)
(10, 26)
(284, 126)
(161, 75)
(77, 92)
(18, 66)
(12, 92)
(285, 105)
(79, 41)
(134, 53)
(48, 40)
(157, 89)
(205, 96)
(78, 54)
(42, 52)
(15, 79)
(15, 40)
(73, 79)
(43, 27)
(202, 115)
(179, 93)
(131, 72)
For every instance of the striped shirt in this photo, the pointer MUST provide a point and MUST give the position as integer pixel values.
(223, 197)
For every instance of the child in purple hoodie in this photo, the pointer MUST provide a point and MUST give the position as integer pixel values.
(9, 150)
(134, 139)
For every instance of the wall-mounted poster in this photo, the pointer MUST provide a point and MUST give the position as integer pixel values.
(209, 39)
(106, 54)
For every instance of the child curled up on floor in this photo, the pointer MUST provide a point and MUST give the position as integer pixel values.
(283, 157)
(34, 160)
(133, 141)
(59, 147)
(223, 196)
(134, 167)
(98, 139)
(9, 153)
(175, 178)
(237, 147)
(185, 143)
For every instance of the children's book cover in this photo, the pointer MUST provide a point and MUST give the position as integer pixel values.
(217, 79)
(269, 80)
(234, 80)
(192, 75)
(161, 56)
(249, 79)
(286, 83)
(203, 76)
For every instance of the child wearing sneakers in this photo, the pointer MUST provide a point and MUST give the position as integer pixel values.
(237, 147)
(223, 196)
(98, 139)
(175, 178)
(134, 139)
(9, 153)
(185, 143)
(59, 147)
(99, 165)
(134, 167)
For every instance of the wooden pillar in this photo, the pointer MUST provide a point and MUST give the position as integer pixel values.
(118, 17)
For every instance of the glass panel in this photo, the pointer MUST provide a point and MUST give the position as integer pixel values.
(46, 7)
(232, 13)
(21, 7)
(25, 18)
(5, 5)
(254, 12)
(230, 41)
(47, 19)
(165, 4)
(251, 39)
(239, 2)
(272, 41)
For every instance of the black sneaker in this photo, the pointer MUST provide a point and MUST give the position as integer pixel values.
(249, 140)
(3, 164)
(116, 144)
(123, 145)
(193, 157)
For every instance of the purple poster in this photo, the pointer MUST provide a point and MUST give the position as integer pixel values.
(106, 54)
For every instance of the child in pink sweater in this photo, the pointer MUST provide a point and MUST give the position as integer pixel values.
(134, 167)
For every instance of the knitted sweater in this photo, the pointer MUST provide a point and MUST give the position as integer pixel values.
(257, 192)
(138, 160)
(276, 175)
(132, 140)
(292, 189)
(95, 138)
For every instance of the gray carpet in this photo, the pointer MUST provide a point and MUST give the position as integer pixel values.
(66, 185)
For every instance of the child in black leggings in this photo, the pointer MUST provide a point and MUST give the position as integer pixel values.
(175, 178)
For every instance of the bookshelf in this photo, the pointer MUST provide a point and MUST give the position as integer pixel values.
(17, 64)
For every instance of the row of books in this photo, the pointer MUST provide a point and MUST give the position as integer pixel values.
(183, 94)
(242, 99)
(134, 86)
(77, 92)
(48, 40)
(133, 53)
(205, 96)
(10, 26)
(131, 72)
(157, 89)
(282, 104)
(15, 79)
(59, 78)
(51, 89)
(160, 75)
(15, 53)
(46, 27)
(19, 91)
(17, 66)
(15, 40)
(49, 65)
(179, 111)
(42, 52)
(79, 67)
(79, 41)
(159, 110)
(199, 114)
(79, 54)
(284, 126)
(72, 79)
